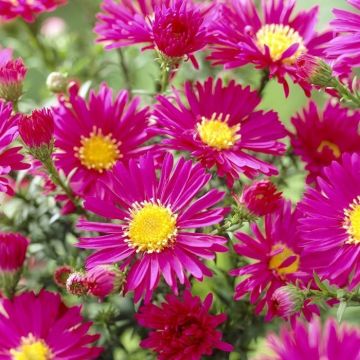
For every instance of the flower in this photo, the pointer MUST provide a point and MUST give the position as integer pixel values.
(321, 137)
(219, 126)
(41, 327)
(27, 9)
(334, 342)
(345, 48)
(155, 215)
(13, 247)
(37, 129)
(182, 328)
(10, 159)
(261, 198)
(277, 260)
(93, 136)
(271, 42)
(12, 75)
(76, 284)
(175, 28)
(61, 275)
(331, 222)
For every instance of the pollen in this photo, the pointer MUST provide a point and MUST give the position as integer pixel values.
(98, 151)
(31, 349)
(333, 147)
(278, 38)
(217, 133)
(352, 222)
(152, 227)
(277, 259)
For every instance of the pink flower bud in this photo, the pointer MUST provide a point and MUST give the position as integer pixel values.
(13, 249)
(61, 275)
(76, 284)
(288, 300)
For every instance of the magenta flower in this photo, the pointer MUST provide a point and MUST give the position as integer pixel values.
(334, 342)
(155, 214)
(182, 328)
(10, 158)
(276, 260)
(271, 42)
(220, 126)
(175, 28)
(13, 247)
(93, 136)
(345, 47)
(331, 223)
(27, 9)
(321, 137)
(49, 331)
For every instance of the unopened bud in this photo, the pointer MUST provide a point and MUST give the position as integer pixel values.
(288, 300)
(76, 284)
(61, 275)
(57, 82)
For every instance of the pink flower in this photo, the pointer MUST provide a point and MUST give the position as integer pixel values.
(152, 235)
(271, 42)
(10, 159)
(345, 48)
(12, 75)
(13, 247)
(276, 257)
(331, 223)
(93, 136)
(49, 331)
(334, 342)
(182, 328)
(323, 136)
(219, 127)
(27, 9)
(261, 198)
(175, 28)
(37, 129)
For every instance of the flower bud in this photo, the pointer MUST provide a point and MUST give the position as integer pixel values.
(12, 75)
(314, 71)
(13, 249)
(260, 198)
(61, 275)
(288, 300)
(57, 82)
(76, 284)
(105, 280)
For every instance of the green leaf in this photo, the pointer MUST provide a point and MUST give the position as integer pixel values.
(340, 311)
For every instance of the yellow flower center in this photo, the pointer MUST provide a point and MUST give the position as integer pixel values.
(152, 227)
(98, 151)
(278, 38)
(333, 147)
(352, 222)
(31, 349)
(276, 260)
(216, 133)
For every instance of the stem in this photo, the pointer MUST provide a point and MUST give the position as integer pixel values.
(263, 82)
(165, 78)
(125, 70)
(345, 92)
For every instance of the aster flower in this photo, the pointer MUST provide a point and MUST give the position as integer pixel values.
(219, 126)
(345, 48)
(321, 137)
(331, 223)
(333, 342)
(175, 28)
(10, 159)
(49, 331)
(12, 75)
(27, 9)
(261, 198)
(93, 136)
(182, 328)
(155, 214)
(277, 260)
(271, 42)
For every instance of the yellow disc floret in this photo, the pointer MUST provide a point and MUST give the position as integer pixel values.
(217, 133)
(98, 151)
(278, 38)
(328, 144)
(152, 227)
(31, 349)
(279, 258)
(352, 222)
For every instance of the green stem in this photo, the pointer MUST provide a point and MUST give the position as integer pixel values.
(346, 94)
(125, 70)
(165, 78)
(263, 82)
